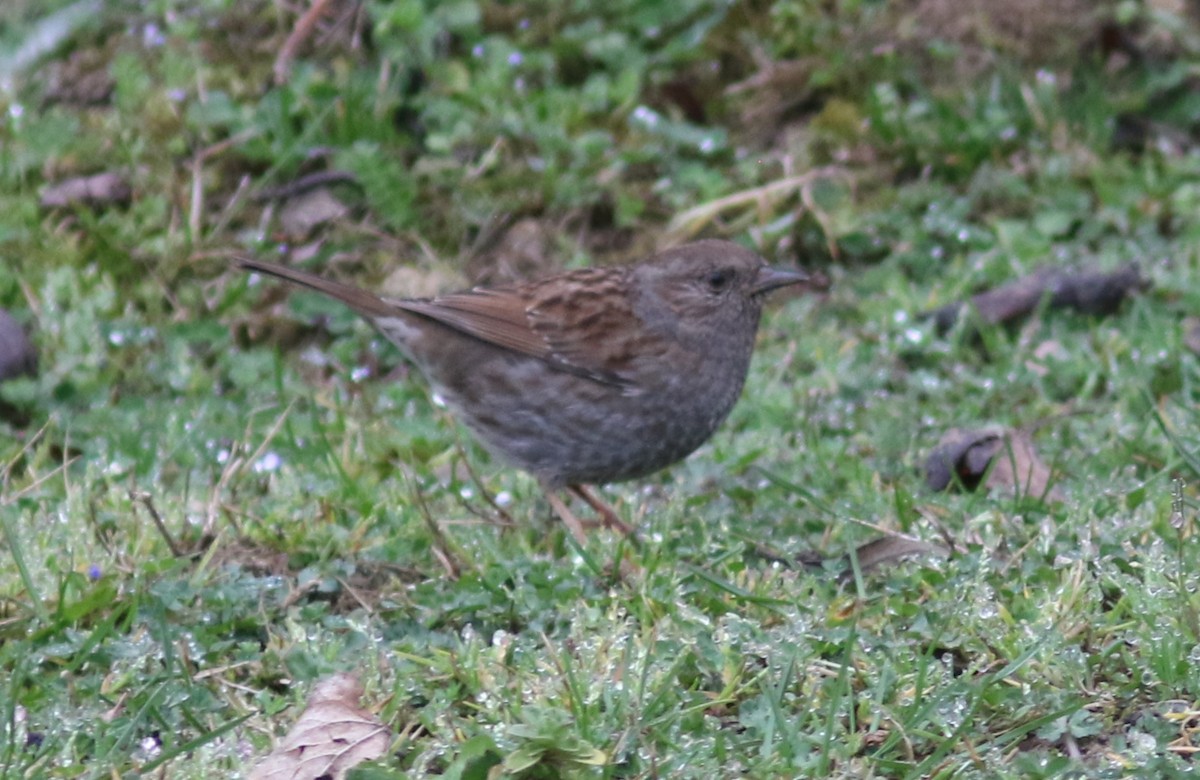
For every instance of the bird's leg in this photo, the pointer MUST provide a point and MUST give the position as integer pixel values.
(608, 515)
(568, 517)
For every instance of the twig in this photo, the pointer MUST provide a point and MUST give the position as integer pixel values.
(300, 33)
(145, 500)
(440, 546)
(305, 183)
(694, 219)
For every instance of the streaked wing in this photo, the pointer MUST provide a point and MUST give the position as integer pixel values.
(495, 316)
(557, 320)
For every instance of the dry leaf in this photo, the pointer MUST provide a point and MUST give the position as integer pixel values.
(524, 251)
(1091, 292)
(99, 190)
(1191, 334)
(332, 736)
(892, 548)
(308, 211)
(83, 79)
(1007, 458)
(17, 355)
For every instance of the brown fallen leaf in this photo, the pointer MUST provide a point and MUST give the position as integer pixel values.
(1007, 459)
(82, 79)
(1091, 292)
(304, 213)
(523, 250)
(17, 355)
(332, 736)
(1191, 334)
(890, 548)
(99, 190)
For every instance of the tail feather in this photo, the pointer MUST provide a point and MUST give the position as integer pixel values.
(367, 304)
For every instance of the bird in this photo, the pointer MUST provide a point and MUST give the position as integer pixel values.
(590, 376)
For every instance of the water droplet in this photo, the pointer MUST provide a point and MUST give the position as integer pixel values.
(268, 462)
(152, 36)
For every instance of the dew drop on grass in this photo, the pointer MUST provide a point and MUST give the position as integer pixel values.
(1142, 743)
(152, 36)
(645, 116)
(149, 747)
(951, 713)
(268, 462)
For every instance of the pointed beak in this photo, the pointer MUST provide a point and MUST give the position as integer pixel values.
(773, 278)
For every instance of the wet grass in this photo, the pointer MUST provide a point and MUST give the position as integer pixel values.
(214, 494)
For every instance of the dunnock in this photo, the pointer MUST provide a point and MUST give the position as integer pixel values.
(592, 376)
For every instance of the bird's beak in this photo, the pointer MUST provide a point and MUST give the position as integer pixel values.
(773, 278)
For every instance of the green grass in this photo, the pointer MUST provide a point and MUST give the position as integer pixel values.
(321, 507)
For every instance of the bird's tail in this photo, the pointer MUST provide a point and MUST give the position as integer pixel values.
(367, 304)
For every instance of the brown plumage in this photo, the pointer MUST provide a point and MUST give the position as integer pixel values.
(591, 376)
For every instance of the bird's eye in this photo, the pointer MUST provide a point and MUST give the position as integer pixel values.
(718, 280)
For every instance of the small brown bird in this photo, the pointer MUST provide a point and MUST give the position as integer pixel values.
(592, 376)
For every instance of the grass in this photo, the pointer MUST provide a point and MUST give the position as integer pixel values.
(214, 494)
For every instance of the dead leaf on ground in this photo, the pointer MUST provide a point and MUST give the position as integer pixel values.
(82, 79)
(1088, 291)
(1191, 334)
(890, 548)
(102, 189)
(333, 735)
(1045, 355)
(525, 250)
(306, 212)
(992, 457)
(17, 355)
